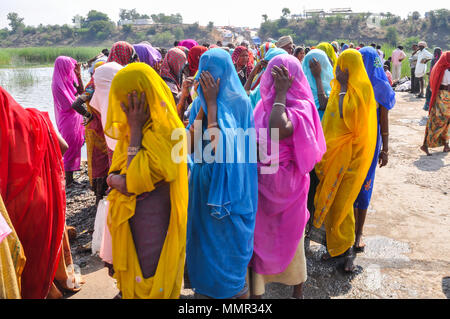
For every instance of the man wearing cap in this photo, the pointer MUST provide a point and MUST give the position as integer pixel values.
(286, 43)
(423, 56)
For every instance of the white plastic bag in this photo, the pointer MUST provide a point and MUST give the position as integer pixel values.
(99, 226)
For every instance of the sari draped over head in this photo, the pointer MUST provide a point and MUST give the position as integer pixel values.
(103, 77)
(344, 47)
(68, 121)
(184, 49)
(122, 52)
(32, 185)
(152, 164)
(172, 66)
(96, 148)
(147, 54)
(437, 75)
(335, 45)
(222, 189)
(193, 58)
(326, 75)
(12, 257)
(263, 49)
(436, 132)
(384, 96)
(188, 43)
(328, 49)
(282, 195)
(436, 55)
(350, 147)
(255, 94)
(237, 53)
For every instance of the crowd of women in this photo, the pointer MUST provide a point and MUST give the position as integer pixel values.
(157, 126)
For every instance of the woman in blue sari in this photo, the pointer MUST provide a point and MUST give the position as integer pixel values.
(385, 97)
(319, 80)
(223, 184)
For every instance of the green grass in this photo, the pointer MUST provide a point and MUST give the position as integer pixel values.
(40, 56)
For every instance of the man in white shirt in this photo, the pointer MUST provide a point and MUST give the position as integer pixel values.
(423, 56)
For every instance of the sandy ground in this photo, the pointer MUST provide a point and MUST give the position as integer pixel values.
(406, 231)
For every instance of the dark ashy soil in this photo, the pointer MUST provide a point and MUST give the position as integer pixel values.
(80, 213)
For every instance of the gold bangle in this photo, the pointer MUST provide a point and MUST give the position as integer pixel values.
(133, 150)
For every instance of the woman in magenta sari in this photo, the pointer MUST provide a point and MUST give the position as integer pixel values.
(286, 104)
(66, 85)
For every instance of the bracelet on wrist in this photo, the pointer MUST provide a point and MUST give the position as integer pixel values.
(279, 104)
(214, 124)
(133, 150)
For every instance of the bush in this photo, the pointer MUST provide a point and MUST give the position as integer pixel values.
(126, 28)
(163, 39)
(392, 36)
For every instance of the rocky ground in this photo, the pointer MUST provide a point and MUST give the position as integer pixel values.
(406, 232)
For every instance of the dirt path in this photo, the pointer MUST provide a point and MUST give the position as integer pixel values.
(407, 229)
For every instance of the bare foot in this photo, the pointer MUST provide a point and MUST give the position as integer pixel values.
(54, 293)
(350, 256)
(298, 292)
(446, 148)
(359, 245)
(425, 149)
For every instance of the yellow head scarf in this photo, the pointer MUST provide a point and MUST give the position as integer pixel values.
(328, 49)
(350, 150)
(152, 164)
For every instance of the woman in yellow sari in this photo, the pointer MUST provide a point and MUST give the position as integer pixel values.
(328, 49)
(148, 203)
(350, 129)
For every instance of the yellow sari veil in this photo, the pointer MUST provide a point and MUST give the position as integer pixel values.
(152, 164)
(350, 146)
(328, 49)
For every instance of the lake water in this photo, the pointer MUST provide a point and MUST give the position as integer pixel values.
(32, 87)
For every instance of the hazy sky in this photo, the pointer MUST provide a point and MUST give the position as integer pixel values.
(233, 12)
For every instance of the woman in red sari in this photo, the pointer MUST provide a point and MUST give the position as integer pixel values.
(32, 186)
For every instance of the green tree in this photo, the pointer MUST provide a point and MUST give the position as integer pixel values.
(285, 12)
(415, 15)
(15, 22)
(391, 35)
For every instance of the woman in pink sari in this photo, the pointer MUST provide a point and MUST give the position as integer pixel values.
(286, 104)
(66, 85)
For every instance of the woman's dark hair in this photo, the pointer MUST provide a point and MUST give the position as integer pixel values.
(388, 65)
(298, 50)
(105, 52)
(307, 49)
(175, 44)
(400, 47)
(378, 46)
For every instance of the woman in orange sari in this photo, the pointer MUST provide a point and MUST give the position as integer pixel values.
(350, 129)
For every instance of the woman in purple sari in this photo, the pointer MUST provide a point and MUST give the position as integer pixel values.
(286, 104)
(66, 85)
